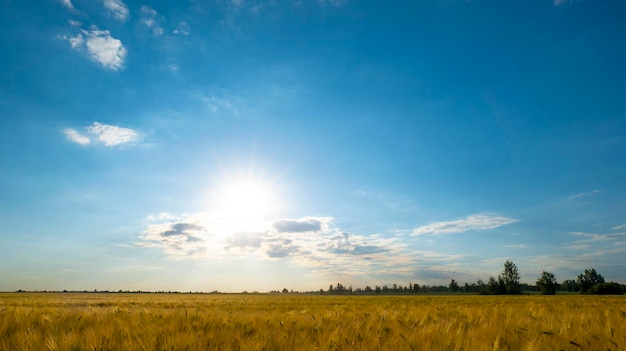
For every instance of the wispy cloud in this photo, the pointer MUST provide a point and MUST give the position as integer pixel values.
(113, 135)
(623, 226)
(74, 136)
(583, 195)
(472, 223)
(215, 104)
(151, 20)
(516, 246)
(182, 29)
(117, 9)
(578, 247)
(101, 47)
(336, 3)
(564, 2)
(68, 4)
(107, 134)
(598, 237)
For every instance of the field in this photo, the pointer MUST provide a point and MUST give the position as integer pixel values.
(309, 322)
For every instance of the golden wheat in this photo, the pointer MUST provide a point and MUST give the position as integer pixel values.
(309, 322)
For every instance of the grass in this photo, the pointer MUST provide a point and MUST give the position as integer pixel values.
(307, 322)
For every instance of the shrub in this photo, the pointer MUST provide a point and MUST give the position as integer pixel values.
(610, 288)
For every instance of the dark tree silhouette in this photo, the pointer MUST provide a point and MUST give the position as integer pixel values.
(511, 278)
(588, 279)
(454, 286)
(547, 283)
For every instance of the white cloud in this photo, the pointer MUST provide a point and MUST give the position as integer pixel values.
(112, 135)
(623, 226)
(101, 47)
(107, 134)
(67, 3)
(74, 23)
(182, 28)
(76, 41)
(151, 20)
(309, 242)
(182, 237)
(117, 8)
(476, 222)
(76, 137)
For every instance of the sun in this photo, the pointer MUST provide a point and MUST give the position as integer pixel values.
(245, 201)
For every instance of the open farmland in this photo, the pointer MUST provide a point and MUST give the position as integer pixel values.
(309, 322)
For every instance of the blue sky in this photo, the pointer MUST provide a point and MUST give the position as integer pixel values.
(255, 145)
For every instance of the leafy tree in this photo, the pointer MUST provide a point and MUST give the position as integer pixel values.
(610, 288)
(588, 279)
(495, 286)
(547, 283)
(570, 285)
(511, 278)
(454, 286)
(506, 283)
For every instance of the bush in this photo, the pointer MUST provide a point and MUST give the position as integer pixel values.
(610, 288)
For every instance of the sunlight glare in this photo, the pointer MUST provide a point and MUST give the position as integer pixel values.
(245, 201)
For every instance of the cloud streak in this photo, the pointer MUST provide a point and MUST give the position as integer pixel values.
(594, 237)
(472, 223)
(583, 195)
(75, 137)
(107, 134)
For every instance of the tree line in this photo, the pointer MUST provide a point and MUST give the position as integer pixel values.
(506, 283)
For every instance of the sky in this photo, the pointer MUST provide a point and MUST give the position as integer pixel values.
(236, 145)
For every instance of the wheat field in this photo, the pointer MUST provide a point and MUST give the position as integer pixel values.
(68, 321)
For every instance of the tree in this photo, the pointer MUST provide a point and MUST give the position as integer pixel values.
(570, 285)
(547, 283)
(511, 278)
(454, 286)
(610, 288)
(588, 279)
(495, 286)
